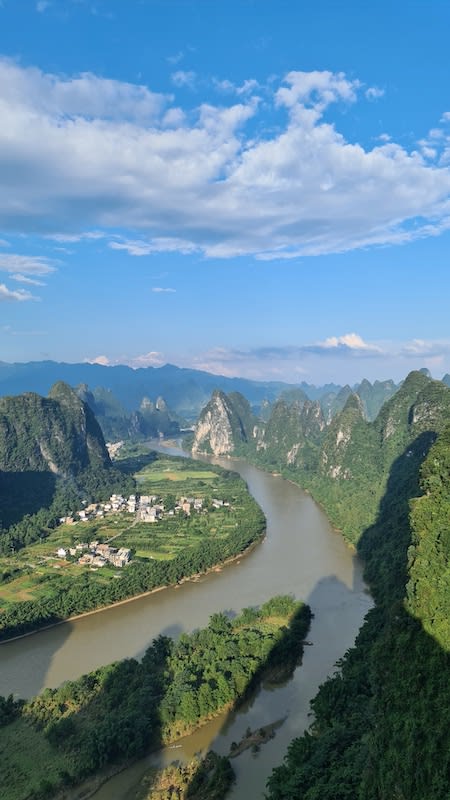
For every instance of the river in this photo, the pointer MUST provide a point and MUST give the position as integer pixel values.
(301, 554)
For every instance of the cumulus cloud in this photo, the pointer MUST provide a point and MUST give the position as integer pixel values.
(247, 87)
(350, 343)
(151, 359)
(102, 360)
(19, 296)
(85, 96)
(84, 154)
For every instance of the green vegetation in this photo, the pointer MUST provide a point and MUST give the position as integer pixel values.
(37, 588)
(52, 455)
(381, 726)
(119, 712)
(117, 422)
(382, 722)
(207, 778)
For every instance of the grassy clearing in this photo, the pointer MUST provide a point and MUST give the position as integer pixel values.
(169, 474)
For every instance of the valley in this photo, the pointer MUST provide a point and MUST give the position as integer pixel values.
(369, 476)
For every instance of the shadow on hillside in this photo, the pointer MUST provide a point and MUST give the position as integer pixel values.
(384, 545)
(135, 463)
(410, 710)
(118, 713)
(382, 726)
(24, 493)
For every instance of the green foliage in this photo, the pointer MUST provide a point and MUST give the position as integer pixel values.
(118, 712)
(52, 453)
(382, 723)
(196, 548)
(207, 778)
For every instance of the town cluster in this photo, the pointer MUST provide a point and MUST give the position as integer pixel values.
(147, 508)
(96, 554)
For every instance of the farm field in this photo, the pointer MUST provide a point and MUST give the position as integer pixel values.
(204, 514)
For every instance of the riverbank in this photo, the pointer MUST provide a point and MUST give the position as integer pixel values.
(56, 738)
(301, 554)
(191, 578)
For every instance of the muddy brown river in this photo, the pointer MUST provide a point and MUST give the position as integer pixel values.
(301, 554)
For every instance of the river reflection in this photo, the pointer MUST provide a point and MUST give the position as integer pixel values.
(301, 554)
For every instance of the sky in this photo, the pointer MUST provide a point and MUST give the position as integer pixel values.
(256, 188)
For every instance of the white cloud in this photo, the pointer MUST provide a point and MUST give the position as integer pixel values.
(25, 265)
(374, 93)
(75, 237)
(89, 156)
(18, 296)
(102, 360)
(151, 359)
(176, 58)
(160, 289)
(24, 279)
(4, 243)
(425, 348)
(86, 95)
(349, 341)
(182, 78)
(140, 247)
(247, 87)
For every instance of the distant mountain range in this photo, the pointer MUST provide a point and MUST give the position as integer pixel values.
(117, 392)
(185, 391)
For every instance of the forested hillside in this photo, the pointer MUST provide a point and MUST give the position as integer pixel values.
(52, 454)
(118, 712)
(382, 723)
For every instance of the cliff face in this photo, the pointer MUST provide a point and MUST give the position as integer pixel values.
(225, 423)
(57, 434)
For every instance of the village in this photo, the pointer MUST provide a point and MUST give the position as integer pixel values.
(145, 508)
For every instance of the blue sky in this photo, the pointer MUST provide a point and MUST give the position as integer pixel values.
(250, 187)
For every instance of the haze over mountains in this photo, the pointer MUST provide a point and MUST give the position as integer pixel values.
(382, 721)
(118, 391)
(377, 459)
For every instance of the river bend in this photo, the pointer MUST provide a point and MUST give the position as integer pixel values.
(301, 554)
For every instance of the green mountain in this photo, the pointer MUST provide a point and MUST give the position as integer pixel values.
(291, 435)
(116, 422)
(58, 433)
(225, 426)
(373, 396)
(381, 727)
(52, 453)
(356, 456)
